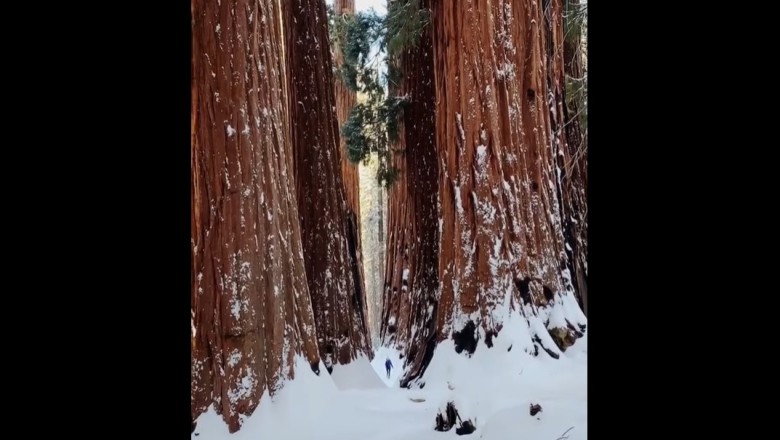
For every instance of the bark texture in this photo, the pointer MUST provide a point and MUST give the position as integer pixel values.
(411, 271)
(499, 84)
(329, 231)
(251, 311)
(345, 100)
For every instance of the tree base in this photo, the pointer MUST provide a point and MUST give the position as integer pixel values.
(538, 343)
(563, 337)
(445, 422)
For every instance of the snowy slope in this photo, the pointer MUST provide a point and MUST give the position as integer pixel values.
(495, 387)
(358, 374)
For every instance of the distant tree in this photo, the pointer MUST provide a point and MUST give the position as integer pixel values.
(328, 225)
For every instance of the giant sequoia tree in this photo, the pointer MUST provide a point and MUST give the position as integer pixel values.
(398, 131)
(499, 87)
(328, 227)
(345, 100)
(411, 270)
(250, 301)
(487, 212)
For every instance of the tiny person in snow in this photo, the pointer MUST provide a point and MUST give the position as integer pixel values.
(388, 367)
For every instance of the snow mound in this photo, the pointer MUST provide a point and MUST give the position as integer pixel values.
(491, 379)
(358, 374)
(494, 388)
(297, 411)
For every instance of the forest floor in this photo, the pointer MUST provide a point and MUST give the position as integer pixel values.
(494, 389)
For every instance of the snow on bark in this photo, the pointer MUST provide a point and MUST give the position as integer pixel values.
(411, 276)
(501, 244)
(328, 227)
(250, 302)
(345, 100)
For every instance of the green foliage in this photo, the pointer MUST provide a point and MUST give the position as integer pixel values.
(356, 36)
(577, 98)
(406, 21)
(372, 126)
(575, 22)
(387, 175)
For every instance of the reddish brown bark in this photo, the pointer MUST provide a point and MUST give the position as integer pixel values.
(250, 302)
(498, 201)
(329, 232)
(499, 80)
(411, 271)
(345, 100)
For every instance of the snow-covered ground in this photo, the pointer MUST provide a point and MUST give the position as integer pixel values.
(494, 388)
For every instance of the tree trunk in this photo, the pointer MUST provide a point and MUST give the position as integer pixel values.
(411, 271)
(574, 179)
(251, 312)
(329, 232)
(498, 70)
(345, 100)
